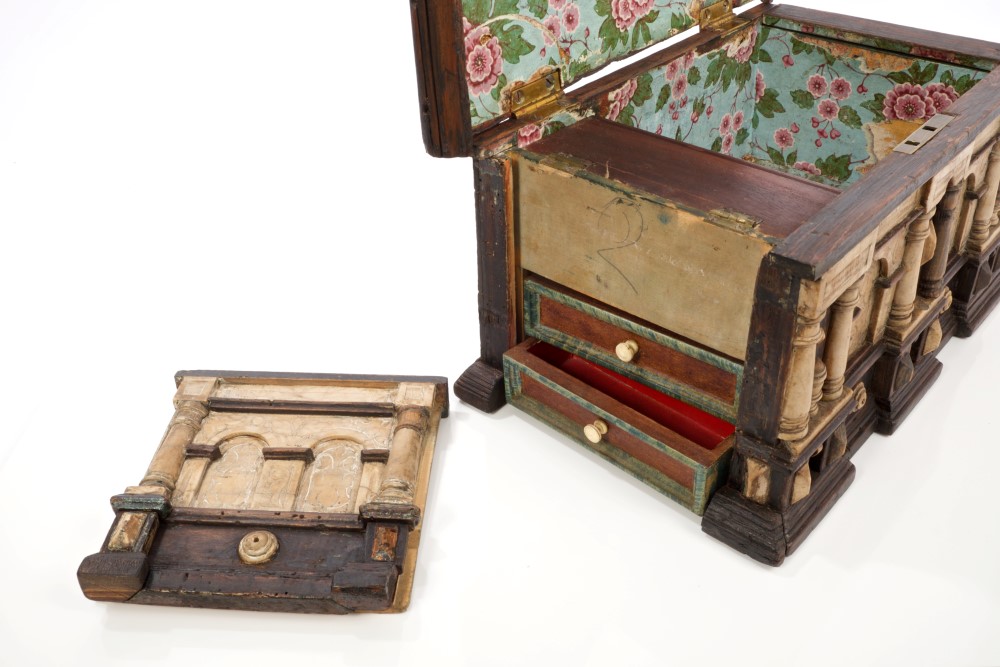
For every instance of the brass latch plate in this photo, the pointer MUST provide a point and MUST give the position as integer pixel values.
(927, 131)
(538, 97)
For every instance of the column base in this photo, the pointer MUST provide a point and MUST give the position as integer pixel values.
(481, 386)
(763, 533)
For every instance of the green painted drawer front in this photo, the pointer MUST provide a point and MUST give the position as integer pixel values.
(591, 330)
(634, 442)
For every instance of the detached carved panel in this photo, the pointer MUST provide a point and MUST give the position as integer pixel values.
(277, 492)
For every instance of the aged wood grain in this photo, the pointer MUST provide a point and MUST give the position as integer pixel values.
(839, 227)
(688, 175)
(928, 39)
(443, 94)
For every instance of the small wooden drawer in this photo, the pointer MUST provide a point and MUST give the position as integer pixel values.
(598, 333)
(678, 450)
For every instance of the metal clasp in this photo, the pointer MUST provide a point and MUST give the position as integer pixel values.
(927, 131)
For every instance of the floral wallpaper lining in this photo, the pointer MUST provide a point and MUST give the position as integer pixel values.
(508, 41)
(823, 110)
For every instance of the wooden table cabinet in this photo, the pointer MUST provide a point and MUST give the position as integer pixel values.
(725, 265)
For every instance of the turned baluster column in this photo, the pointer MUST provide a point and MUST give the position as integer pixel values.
(166, 465)
(797, 400)
(945, 220)
(903, 300)
(400, 476)
(987, 209)
(819, 379)
(838, 341)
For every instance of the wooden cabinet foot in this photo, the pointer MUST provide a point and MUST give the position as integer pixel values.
(113, 577)
(481, 386)
(762, 532)
(891, 410)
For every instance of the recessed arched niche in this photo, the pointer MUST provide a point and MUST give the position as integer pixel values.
(229, 482)
(331, 482)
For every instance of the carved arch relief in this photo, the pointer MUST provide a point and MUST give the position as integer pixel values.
(331, 482)
(229, 483)
(333, 479)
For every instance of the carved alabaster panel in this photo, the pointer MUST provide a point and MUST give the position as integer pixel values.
(277, 492)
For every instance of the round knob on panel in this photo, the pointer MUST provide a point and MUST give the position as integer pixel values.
(258, 547)
(627, 350)
(595, 432)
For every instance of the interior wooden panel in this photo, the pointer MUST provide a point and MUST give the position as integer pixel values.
(661, 262)
(691, 176)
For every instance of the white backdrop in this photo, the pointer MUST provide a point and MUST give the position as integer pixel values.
(242, 185)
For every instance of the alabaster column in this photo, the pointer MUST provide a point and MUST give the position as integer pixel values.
(838, 342)
(399, 478)
(169, 458)
(797, 400)
(945, 221)
(987, 209)
(819, 379)
(903, 300)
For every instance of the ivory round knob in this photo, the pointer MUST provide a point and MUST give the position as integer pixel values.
(258, 547)
(627, 350)
(595, 432)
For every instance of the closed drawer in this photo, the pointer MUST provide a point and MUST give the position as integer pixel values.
(596, 332)
(648, 434)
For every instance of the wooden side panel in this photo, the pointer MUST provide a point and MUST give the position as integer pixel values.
(444, 96)
(659, 262)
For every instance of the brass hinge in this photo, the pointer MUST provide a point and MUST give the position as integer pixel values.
(925, 133)
(537, 98)
(720, 17)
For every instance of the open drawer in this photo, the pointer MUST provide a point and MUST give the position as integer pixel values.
(674, 447)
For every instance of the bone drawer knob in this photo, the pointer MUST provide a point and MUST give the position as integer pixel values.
(258, 547)
(626, 351)
(595, 432)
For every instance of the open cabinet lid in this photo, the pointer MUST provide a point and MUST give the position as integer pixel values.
(471, 54)
(278, 492)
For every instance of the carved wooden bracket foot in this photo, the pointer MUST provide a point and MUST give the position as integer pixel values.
(481, 386)
(892, 408)
(765, 534)
(750, 528)
(977, 291)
